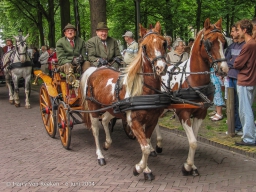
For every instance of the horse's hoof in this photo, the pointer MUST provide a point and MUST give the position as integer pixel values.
(17, 104)
(135, 172)
(11, 102)
(104, 147)
(153, 154)
(159, 149)
(101, 161)
(195, 173)
(27, 107)
(149, 176)
(192, 172)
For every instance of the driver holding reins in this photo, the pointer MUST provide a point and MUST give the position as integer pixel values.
(104, 50)
(71, 50)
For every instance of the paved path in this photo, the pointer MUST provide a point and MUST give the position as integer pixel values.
(32, 161)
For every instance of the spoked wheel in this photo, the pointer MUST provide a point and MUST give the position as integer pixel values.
(48, 113)
(128, 130)
(64, 125)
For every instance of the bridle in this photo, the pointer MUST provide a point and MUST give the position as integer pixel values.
(147, 57)
(21, 43)
(207, 46)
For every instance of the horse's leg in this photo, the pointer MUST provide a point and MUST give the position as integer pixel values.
(106, 117)
(95, 131)
(15, 80)
(144, 141)
(27, 82)
(159, 139)
(189, 168)
(8, 84)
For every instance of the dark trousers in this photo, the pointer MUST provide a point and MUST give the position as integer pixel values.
(233, 83)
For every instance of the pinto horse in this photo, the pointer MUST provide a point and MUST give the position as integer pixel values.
(104, 86)
(17, 64)
(191, 79)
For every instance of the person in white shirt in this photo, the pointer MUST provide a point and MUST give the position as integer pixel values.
(132, 48)
(43, 59)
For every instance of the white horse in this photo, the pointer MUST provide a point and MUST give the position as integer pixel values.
(17, 64)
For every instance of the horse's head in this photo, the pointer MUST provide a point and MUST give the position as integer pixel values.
(154, 49)
(212, 42)
(21, 47)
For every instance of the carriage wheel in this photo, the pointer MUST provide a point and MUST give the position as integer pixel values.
(48, 113)
(128, 130)
(64, 125)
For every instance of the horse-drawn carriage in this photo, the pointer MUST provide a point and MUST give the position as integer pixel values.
(60, 104)
(136, 95)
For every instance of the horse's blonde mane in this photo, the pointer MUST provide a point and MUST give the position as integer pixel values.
(134, 81)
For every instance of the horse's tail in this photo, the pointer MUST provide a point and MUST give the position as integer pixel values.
(83, 86)
(87, 119)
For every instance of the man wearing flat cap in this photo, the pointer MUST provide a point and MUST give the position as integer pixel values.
(9, 45)
(102, 49)
(132, 47)
(70, 49)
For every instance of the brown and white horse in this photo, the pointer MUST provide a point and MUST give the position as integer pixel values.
(207, 52)
(104, 86)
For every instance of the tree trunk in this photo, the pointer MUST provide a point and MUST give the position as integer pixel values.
(40, 26)
(97, 14)
(77, 18)
(64, 13)
(198, 15)
(51, 24)
(168, 19)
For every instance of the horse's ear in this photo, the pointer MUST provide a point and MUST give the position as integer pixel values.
(26, 37)
(143, 31)
(158, 27)
(16, 37)
(207, 23)
(219, 23)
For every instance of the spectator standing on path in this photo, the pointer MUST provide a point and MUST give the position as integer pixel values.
(9, 46)
(246, 82)
(178, 55)
(35, 58)
(103, 49)
(43, 59)
(254, 28)
(52, 58)
(71, 49)
(132, 48)
(1, 53)
(190, 44)
(218, 98)
(231, 54)
(169, 43)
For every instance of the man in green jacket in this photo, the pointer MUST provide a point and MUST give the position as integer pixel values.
(70, 49)
(102, 49)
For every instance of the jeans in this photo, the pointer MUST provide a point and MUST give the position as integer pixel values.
(233, 83)
(246, 96)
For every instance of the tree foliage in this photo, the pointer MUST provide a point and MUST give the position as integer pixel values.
(45, 19)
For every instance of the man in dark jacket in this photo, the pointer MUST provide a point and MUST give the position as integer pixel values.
(231, 54)
(102, 49)
(70, 48)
